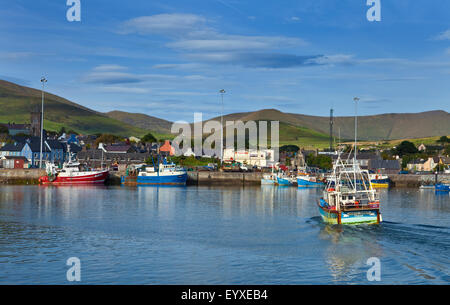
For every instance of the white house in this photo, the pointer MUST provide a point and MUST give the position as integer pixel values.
(261, 158)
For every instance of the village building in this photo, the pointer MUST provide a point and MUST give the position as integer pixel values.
(15, 129)
(363, 159)
(167, 149)
(119, 149)
(15, 162)
(260, 158)
(385, 167)
(422, 165)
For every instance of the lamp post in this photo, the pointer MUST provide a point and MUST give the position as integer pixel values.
(43, 81)
(222, 92)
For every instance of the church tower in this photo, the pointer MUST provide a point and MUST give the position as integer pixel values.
(36, 116)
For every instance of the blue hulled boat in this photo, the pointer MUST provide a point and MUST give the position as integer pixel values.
(283, 181)
(164, 174)
(307, 181)
(442, 187)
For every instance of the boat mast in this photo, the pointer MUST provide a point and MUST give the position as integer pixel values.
(356, 99)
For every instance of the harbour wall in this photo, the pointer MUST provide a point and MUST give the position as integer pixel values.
(21, 176)
(224, 178)
(417, 180)
(31, 176)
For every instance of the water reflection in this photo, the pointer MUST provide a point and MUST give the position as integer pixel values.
(220, 235)
(348, 250)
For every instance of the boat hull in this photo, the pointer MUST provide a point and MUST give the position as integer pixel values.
(380, 183)
(442, 188)
(306, 183)
(366, 216)
(267, 181)
(94, 178)
(162, 180)
(283, 181)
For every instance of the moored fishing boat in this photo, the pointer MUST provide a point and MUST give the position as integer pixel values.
(72, 173)
(379, 181)
(308, 181)
(158, 174)
(164, 174)
(283, 180)
(442, 187)
(269, 179)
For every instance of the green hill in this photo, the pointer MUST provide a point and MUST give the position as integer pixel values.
(377, 127)
(16, 103)
(143, 121)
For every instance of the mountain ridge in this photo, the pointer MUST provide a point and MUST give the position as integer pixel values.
(17, 101)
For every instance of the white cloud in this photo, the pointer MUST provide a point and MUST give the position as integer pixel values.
(164, 24)
(226, 43)
(443, 36)
(334, 59)
(111, 77)
(194, 33)
(119, 89)
(109, 68)
(15, 55)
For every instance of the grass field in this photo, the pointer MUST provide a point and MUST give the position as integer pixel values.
(392, 143)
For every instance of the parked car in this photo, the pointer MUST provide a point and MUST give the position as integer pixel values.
(244, 168)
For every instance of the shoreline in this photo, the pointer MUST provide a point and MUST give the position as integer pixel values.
(31, 177)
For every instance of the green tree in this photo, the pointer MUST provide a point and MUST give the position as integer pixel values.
(71, 131)
(447, 150)
(4, 129)
(289, 148)
(444, 139)
(320, 161)
(405, 148)
(107, 139)
(149, 138)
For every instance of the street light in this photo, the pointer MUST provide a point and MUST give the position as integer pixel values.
(43, 81)
(222, 92)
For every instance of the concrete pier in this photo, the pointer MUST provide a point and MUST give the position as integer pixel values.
(21, 176)
(223, 178)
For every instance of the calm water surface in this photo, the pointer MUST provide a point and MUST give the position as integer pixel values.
(215, 235)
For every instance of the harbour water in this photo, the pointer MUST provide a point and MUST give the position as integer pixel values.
(216, 235)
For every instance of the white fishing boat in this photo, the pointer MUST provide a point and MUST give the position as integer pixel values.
(269, 179)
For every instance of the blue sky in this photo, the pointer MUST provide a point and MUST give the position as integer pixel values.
(170, 58)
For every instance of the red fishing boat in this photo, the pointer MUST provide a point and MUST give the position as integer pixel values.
(72, 173)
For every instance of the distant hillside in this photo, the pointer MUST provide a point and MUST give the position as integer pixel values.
(377, 127)
(16, 102)
(142, 121)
